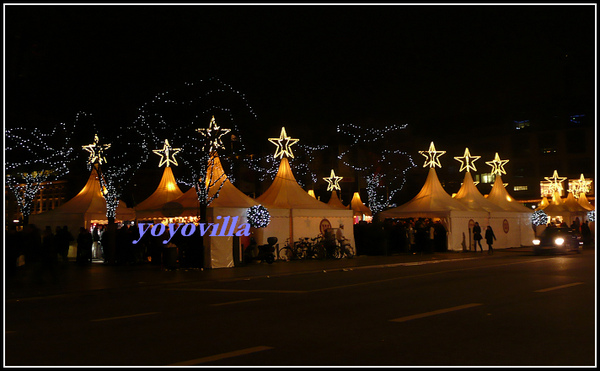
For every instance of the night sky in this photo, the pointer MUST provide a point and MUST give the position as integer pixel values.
(309, 68)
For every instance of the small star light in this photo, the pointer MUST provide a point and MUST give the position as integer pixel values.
(214, 134)
(333, 182)
(497, 165)
(432, 156)
(467, 161)
(167, 154)
(556, 182)
(283, 144)
(96, 151)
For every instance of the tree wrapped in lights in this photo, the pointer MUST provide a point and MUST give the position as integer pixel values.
(591, 215)
(33, 158)
(371, 154)
(258, 216)
(539, 217)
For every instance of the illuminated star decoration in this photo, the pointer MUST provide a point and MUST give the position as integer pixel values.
(581, 186)
(167, 154)
(96, 151)
(214, 134)
(432, 156)
(333, 182)
(467, 161)
(283, 144)
(497, 165)
(555, 182)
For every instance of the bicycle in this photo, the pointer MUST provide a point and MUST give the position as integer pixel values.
(293, 252)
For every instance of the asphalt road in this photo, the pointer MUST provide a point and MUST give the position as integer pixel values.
(508, 309)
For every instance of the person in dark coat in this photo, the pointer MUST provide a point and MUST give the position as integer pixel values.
(84, 246)
(489, 239)
(477, 236)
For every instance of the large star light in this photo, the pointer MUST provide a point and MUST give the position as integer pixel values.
(581, 186)
(167, 154)
(497, 165)
(432, 157)
(333, 182)
(96, 151)
(555, 182)
(283, 144)
(213, 134)
(467, 161)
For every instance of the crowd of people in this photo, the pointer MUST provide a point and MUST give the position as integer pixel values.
(421, 235)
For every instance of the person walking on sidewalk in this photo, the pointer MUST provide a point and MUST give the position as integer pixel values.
(489, 239)
(477, 236)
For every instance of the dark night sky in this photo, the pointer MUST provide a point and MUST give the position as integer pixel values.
(307, 67)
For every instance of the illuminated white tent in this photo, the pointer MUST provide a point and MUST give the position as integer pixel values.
(583, 201)
(434, 202)
(360, 210)
(86, 208)
(296, 214)
(575, 208)
(518, 220)
(230, 202)
(167, 190)
(557, 209)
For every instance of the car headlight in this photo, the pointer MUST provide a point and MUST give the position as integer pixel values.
(559, 241)
(536, 242)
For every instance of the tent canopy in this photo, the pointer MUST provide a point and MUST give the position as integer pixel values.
(470, 196)
(166, 191)
(499, 196)
(335, 202)
(358, 206)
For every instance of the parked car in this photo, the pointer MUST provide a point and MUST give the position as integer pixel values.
(561, 240)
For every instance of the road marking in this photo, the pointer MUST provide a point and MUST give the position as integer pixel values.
(252, 291)
(217, 357)
(234, 302)
(559, 287)
(129, 316)
(435, 312)
(424, 275)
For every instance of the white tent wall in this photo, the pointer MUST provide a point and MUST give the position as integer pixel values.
(459, 232)
(306, 222)
(507, 229)
(279, 227)
(219, 249)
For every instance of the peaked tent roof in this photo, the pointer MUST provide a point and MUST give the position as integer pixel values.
(499, 196)
(334, 201)
(358, 206)
(470, 196)
(166, 191)
(89, 204)
(556, 206)
(583, 201)
(431, 199)
(286, 193)
(572, 204)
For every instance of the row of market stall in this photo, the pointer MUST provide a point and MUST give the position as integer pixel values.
(295, 214)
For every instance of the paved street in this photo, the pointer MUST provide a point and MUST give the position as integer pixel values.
(456, 309)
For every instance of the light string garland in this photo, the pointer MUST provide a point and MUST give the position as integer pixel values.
(384, 168)
(539, 217)
(258, 216)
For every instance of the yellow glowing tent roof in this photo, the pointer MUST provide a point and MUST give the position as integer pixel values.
(572, 204)
(166, 191)
(358, 206)
(87, 206)
(499, 196)
(583, 201)
(286, 193)
(470, 196)
(229, 195)
(335, 202)
(431, 200)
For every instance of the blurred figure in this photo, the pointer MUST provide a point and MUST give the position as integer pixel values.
(84, 247)
(489, 239)
(63, 240)
(477, 236)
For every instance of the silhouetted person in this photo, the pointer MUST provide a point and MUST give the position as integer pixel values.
(49, 255)
(84, 246)
(63, 239)
(477, 236)
(489, 239)
(586, 233)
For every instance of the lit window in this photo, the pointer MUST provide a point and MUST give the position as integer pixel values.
(519, 188)
(487, 178)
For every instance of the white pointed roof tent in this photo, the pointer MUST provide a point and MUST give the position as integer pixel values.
(86, 208)
(294, 213)
(510, 222)
(230, 202)
(583, 201)
(335, 202)
(359, 209)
